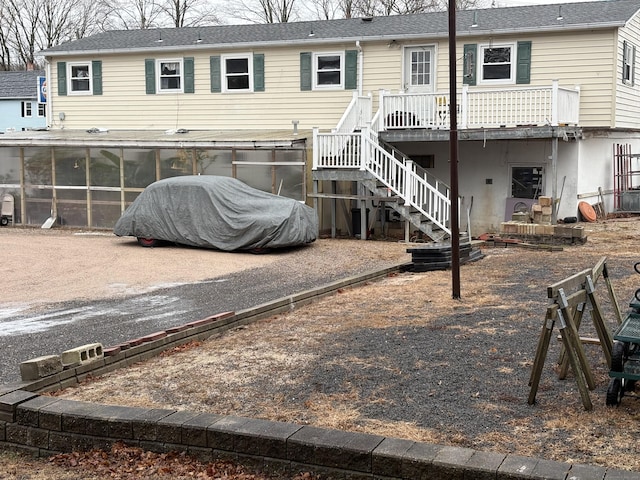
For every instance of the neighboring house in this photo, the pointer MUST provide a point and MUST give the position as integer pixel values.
(20, 108)
(548, 104)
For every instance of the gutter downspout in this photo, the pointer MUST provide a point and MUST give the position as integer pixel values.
(49, 107)
(360, 66)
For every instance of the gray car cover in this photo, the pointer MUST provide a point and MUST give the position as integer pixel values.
(217, 212)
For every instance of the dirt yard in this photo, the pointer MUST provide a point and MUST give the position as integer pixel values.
(401, 358)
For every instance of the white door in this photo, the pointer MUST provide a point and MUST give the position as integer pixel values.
(419, 69)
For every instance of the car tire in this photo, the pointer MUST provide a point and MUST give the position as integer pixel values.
(147, 242)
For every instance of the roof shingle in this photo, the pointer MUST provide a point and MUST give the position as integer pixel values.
(594, 14)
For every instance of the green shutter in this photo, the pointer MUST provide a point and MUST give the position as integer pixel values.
(523, 66)
(469, 64)
(188, 74)
(150, 75)
(305, 71)
(258, 72)
(351, 69)
(96, 72)
(214, 69)
(62, 78)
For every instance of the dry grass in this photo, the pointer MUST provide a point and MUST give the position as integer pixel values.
(344, 361)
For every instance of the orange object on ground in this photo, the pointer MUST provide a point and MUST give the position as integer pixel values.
(587, 212)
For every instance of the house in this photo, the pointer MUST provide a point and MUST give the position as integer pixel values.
(20, 105)
(351, 115)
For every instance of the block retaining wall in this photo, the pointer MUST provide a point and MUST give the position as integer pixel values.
(43, 425)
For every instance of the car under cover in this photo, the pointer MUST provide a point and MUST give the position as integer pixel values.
(217, 212)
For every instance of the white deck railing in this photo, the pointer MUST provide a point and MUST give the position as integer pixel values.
(361, 150)
(482, 108)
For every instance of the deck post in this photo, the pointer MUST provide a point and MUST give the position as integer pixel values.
(315, 156)
(554, 103)
(464, 108)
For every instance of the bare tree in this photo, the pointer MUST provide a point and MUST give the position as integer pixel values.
(24, 16)
(327, 9)
(131, 15)
(264, 11)
(189, 13)
(5, 33)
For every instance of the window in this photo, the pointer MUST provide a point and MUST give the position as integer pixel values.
(628, 61)
(79, 78)
(328, 70)
(42, 109)
(497, 63)
(170, 78)
(526, 182)
(26, 109)
(237, 73)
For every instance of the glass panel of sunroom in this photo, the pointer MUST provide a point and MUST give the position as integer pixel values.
(10, 166)
(214, 162)
(139, 167)
(71, 166)
(72, 207)
(37, 166)
(175, 163)
(105, 208)
(105, 167)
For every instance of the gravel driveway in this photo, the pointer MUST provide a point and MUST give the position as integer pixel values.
(65, 288)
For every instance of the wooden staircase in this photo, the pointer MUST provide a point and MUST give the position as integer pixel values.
(418, 197)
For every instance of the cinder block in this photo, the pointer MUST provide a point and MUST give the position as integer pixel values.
(577, 232)
(40, 367)
(544, 201)
(82, 355)
(539, 229)
(546, 210)
(546, 219)
(549, 229)
(520, 216)
(536, 208)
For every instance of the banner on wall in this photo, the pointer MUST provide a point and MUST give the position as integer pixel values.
(42, 89)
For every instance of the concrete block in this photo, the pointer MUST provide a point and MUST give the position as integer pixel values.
(40, 367)
(551, 470)
(520, 216)
(577, 232)
(517, 466)
(549, 230)
(417, 463)
(387, 457)
(547, 210)
(584, 472)
(536, 208)
(82, 355)
(545, 201)
(483, 466)
(449, 463)
(545, 218)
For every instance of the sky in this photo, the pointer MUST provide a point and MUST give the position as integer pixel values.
(517, 3)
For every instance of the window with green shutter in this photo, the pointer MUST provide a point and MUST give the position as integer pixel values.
(305, 71)
(96, 73)
(214, 74)
(189, 74)
(523, 68)
(329, 70)
(62, 78)
(150, 75)
(469, 64)
(258, 72)
(351, 70)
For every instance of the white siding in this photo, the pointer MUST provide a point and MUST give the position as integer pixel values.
(584, 59)
(125, 105)
(628, 96)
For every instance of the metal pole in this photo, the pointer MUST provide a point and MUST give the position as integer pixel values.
(453, 155)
